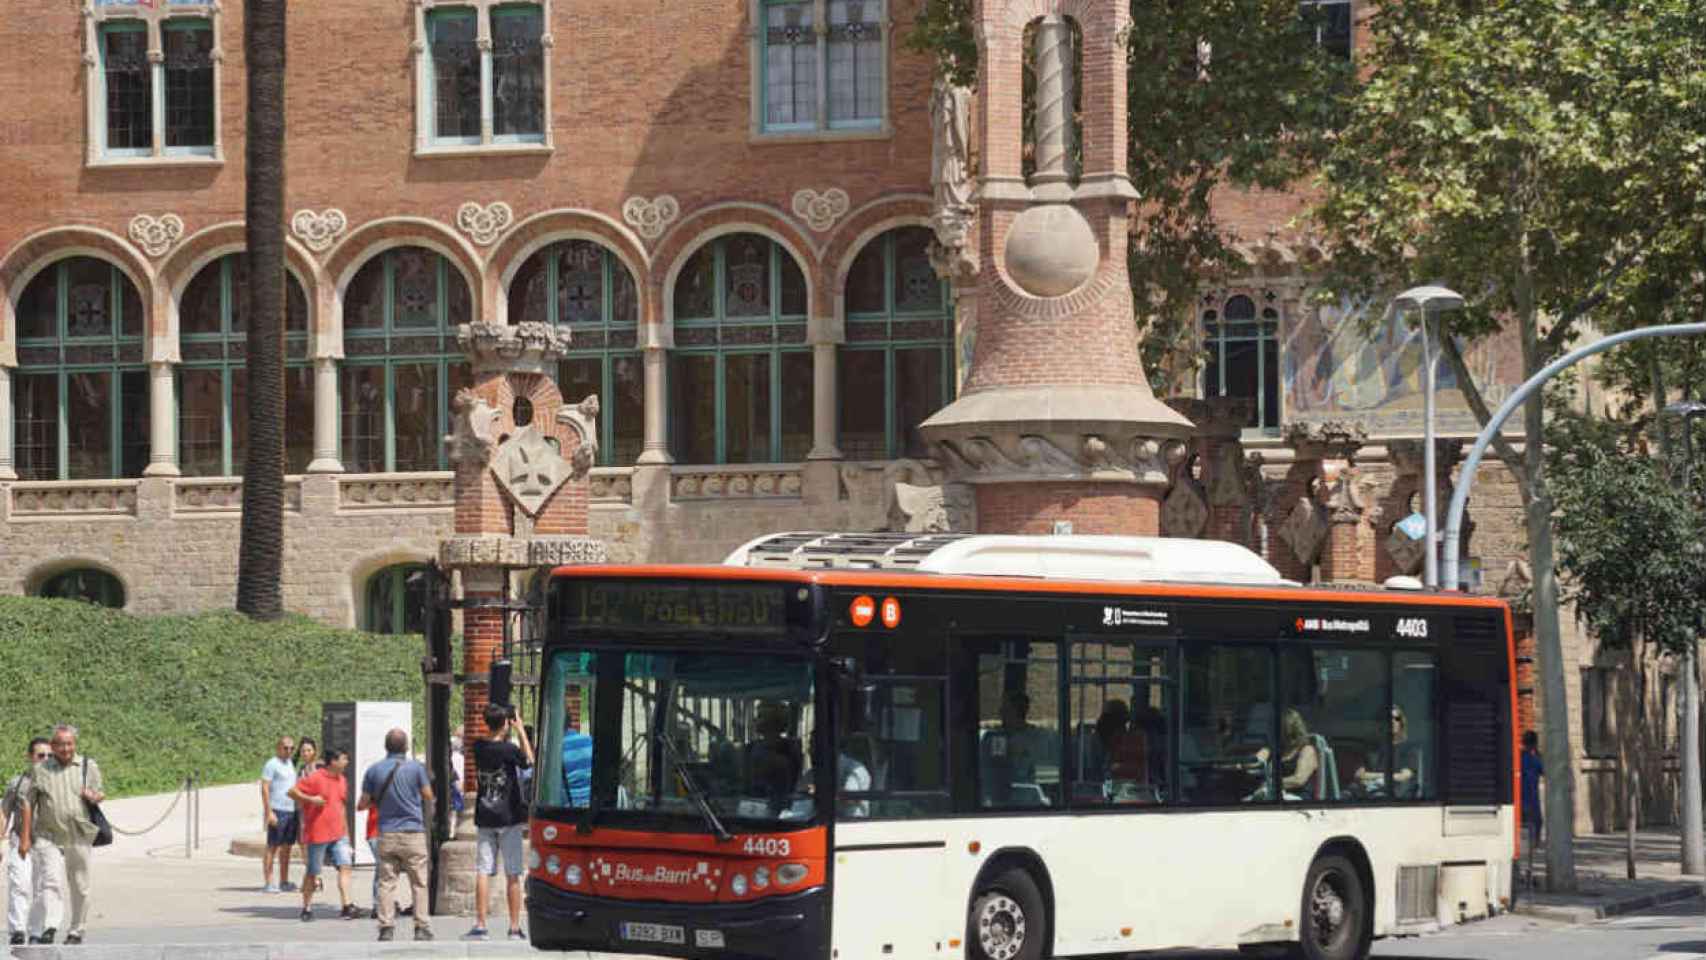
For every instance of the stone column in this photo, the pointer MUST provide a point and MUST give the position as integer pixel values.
(1321, 490)
(823, 403)
(162, 422)
(6, 470)
(656, 448)
(325, 417)
(1056, 428)
(1219, 449)
(521, 456)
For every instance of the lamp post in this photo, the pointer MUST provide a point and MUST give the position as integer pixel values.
(1439, 298)
(1693, 843)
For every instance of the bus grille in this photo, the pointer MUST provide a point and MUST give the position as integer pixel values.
(1418, 893)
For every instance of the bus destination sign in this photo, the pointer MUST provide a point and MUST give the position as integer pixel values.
(647, 604)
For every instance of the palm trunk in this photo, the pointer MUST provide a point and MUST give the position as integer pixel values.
(261, 547)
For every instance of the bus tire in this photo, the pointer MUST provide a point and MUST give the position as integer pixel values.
(1008, 919)
(1335, 917)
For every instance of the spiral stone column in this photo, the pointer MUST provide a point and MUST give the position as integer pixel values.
(1056, 427)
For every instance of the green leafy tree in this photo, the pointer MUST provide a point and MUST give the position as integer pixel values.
(1225, 95)
(260, 553)
(1545, 158)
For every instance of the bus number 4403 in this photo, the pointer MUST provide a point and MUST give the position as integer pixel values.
(767, 847)
(1415, 628)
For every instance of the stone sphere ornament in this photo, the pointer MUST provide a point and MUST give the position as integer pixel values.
(1051, 250)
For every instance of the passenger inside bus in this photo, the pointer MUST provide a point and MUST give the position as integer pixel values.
(774, 762)
(1009, 756)
(1301, 770)
(1406, 756)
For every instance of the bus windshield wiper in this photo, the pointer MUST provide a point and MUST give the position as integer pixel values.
(693, 789)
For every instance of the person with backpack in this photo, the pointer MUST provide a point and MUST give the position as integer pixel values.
(500, 815)
(26, 908)
(400, 789)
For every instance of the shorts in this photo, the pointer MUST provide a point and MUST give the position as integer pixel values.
(491, 841)
(337, 851)
(283, 835)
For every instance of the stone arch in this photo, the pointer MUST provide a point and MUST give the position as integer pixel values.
(371, 239)
(720, 221)
(46, 247)
(208, 245)
(40, 574)
(543, 229)
(850, 239)
(1103, 18)
(365, 569)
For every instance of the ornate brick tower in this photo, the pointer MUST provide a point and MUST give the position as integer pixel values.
(1056, 421)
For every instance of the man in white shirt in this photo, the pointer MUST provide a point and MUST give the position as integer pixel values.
(278, 816)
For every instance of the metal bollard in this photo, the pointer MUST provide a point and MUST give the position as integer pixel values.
(189, 820)
(1634, 800)
(195, 796)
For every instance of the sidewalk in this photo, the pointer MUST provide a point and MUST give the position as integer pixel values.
(1603, 887)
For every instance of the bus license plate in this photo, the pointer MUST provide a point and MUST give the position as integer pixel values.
(655, 933)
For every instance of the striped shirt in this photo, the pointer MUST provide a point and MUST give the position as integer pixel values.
(56, 796)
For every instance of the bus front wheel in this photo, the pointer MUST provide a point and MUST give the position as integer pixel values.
(1335, 912)
(1007, 921)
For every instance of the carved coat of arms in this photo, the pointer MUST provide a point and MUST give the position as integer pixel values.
(529, 467)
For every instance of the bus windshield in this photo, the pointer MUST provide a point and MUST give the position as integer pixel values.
(705, 737)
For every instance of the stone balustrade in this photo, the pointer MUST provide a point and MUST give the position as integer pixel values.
(71, 499)
(396, 491)
(612, 485)
(778, 482)
(224, 495)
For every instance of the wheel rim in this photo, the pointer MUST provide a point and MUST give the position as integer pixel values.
(1329, 913)
(1001, 926)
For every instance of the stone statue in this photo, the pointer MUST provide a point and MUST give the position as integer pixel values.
(950, 156)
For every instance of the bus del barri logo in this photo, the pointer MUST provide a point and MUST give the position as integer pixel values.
(614, 873)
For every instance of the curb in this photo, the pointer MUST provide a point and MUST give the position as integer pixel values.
(1602, 911)
(276, 951)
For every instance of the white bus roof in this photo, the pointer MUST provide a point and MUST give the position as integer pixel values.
(1064, 557)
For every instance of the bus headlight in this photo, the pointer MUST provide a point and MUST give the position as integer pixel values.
(532, 859)
(738, 885)
(573, 875)
(789, 874)
(761, 878)
(553, 865)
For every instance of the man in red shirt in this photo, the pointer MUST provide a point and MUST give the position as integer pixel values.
(324, 794)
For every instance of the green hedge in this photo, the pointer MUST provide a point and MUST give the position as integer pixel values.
(158, 697)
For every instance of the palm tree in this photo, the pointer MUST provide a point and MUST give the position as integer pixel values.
(260, 553)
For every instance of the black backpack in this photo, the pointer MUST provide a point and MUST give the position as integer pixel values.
(499, 802)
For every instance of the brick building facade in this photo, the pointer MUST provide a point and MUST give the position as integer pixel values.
(736, 206)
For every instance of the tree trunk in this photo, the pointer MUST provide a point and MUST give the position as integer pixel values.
(261, 547)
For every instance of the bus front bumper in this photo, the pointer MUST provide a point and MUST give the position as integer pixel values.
(793, 927)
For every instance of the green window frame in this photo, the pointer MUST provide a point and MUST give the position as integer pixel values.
(184, 88)
(132, 31)
(1234, 330)
(510, 68)
(222, 352)
(900, 309)
(393, 605)
(94, 330)
(409, 345)
(752, 311)
(556, 285)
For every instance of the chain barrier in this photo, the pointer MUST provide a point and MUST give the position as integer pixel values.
(182, 790)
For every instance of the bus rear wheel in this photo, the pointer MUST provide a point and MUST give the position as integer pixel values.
(1007, 921)
(1335, 912)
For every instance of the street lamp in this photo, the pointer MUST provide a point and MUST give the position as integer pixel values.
(1423, 298)
(1693, 841)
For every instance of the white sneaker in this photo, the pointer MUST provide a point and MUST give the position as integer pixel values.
(270, 888)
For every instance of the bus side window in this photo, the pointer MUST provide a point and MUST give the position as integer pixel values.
(1018, 731)
(1333, 731)
(1414, 679)
(1119, 709)
(1225, 735)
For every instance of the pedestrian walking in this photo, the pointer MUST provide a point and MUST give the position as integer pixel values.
(306, 759)
(400, 789)
(278, 815)
(26, 909)
(500, 815)
(59, 831)
(324, 795)
(1532, 821)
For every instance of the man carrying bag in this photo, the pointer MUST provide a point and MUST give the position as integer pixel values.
(60, 826)
(401, 790)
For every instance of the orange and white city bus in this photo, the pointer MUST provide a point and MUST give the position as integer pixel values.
(1003, 748)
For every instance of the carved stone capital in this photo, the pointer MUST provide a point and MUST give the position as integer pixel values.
(1408, 457)
(1325, 439)
(1007, 457)
(1216, 417)
(529, 347)
(582, 418)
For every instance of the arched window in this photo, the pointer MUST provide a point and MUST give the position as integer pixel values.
(80, 403)
(740, 379)
(582, 284)
(85, 583)
(1243, 357)
(403, 368)
(896, 368)
(213, 422)
(396, 600)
